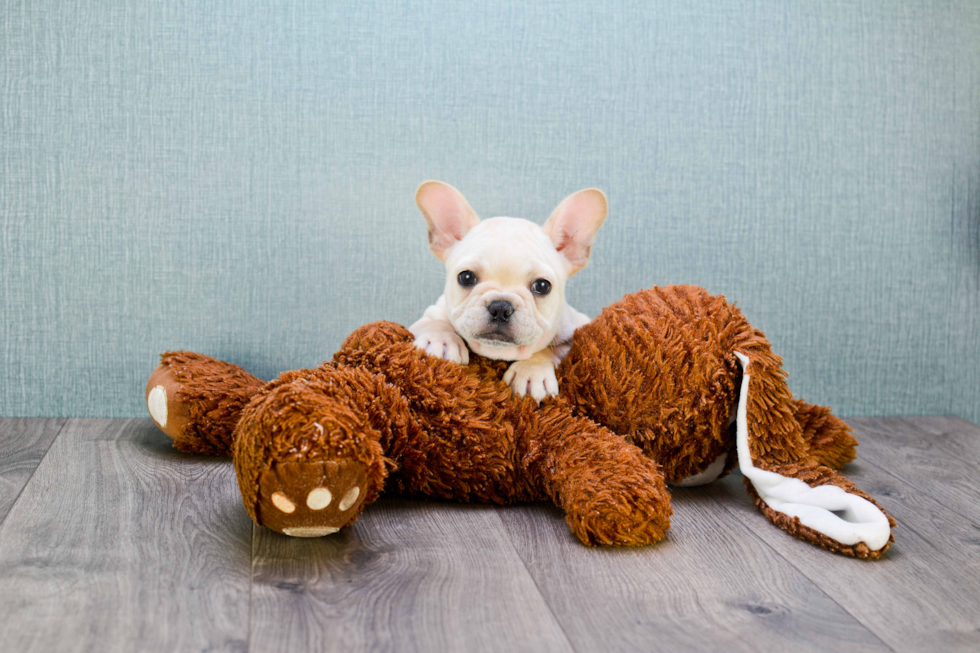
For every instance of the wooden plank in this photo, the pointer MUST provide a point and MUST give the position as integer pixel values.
(23, 442)
(924, 594)
(710, 586)
(408, 576)
(936, 455)
(120, 543)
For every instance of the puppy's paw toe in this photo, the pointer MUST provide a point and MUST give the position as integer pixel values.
(447, 346)
(532, 378)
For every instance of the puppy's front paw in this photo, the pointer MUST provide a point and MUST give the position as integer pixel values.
(532, 377)
(445, 345)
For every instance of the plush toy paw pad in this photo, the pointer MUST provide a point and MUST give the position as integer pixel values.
(305, 531)
(156, 402)
(169, 412)
(300, 498)
(350, 498)
(280, 501)
(319, 498)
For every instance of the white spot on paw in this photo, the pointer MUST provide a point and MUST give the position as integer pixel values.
(156, 402)
(280, 501)
(310, 531)
(319, 498)
(350, 498)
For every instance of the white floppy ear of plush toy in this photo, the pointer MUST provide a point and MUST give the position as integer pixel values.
(827, 509)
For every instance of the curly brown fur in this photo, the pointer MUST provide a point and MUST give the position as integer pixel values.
(611, 492)
(204, 397)
(463, 442)
(654, 368)
(482, 443)
(647, 395)
(308, 417)
(660, 368)
(830, 441)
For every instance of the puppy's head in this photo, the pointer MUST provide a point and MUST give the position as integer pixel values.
(505, 281)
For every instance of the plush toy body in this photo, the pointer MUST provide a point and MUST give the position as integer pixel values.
(669, 385)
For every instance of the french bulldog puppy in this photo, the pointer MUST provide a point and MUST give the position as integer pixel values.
(505, 284)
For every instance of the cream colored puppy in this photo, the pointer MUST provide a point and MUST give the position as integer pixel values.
(505, 284)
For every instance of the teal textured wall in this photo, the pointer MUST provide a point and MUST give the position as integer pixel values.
(237, 178)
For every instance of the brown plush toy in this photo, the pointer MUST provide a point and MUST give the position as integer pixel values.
(669, 385)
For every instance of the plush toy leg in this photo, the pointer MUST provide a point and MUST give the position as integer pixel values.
(197, 400)
(612, 494)
(794, 491)
(654, 367)
(307, 453)
(829, 439)
(658, 367)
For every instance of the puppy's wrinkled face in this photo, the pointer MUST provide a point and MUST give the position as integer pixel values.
(505, 281)
(505, 288)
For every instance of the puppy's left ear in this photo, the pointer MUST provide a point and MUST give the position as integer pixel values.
(573, 226)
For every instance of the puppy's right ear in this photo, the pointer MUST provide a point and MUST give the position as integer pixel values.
(447, 213)
(573, 225)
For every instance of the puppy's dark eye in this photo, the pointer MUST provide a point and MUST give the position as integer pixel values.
(466, 279)
(541, 287)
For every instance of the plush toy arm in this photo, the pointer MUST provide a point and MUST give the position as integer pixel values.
(611, 493)
(197, 400)
(307, 451)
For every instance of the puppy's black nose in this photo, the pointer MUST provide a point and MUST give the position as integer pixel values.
(500, 311)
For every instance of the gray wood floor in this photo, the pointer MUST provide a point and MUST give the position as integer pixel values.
(110, 540)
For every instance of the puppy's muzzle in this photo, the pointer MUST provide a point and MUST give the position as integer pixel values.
(500, 311)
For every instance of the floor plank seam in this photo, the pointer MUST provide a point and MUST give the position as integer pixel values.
(963, 422)
(927, 493)
(913, 421)
(790, 561)
(527, 570)
(888, 472)
(20, 492)
(251, 585)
